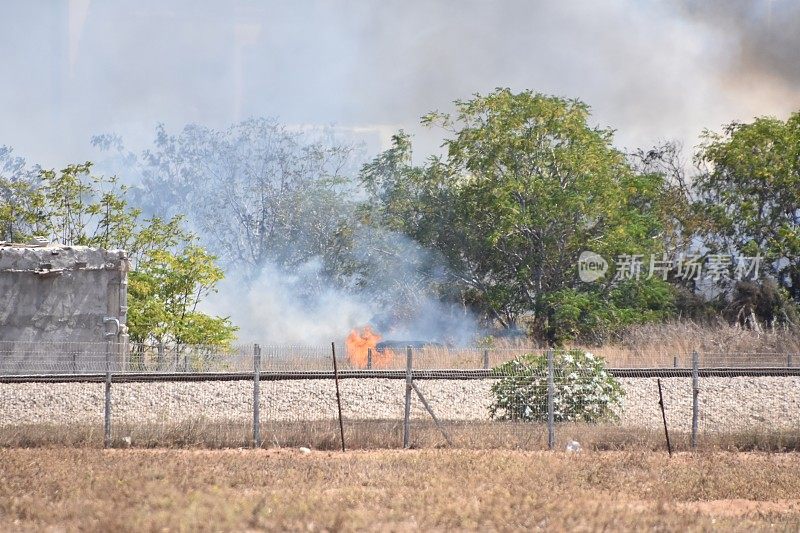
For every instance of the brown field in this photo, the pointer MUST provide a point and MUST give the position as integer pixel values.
(664, 344)
(388, 434)
(70, 489)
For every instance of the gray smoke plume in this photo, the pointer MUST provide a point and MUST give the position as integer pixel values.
(763, 37)
(277, 306)
(281, 209)
(651, 70)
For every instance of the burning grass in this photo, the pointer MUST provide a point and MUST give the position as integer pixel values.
(148, 490)
(646, 345)
(361, 347)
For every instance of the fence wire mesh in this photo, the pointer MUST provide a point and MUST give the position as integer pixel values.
(475, 397)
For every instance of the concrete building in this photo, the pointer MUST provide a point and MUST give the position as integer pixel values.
(72, 298)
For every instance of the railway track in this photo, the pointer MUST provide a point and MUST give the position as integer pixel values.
(443, 374)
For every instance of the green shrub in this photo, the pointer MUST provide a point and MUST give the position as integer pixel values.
(584, 390)
(593, 315)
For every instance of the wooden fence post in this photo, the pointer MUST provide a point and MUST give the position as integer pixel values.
(107, 403)
(338, 396)
(664, 416)
(256, 396)
(551, 430)
(695, 395)
(407, 412)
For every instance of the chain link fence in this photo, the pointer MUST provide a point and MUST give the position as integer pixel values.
(246, 395)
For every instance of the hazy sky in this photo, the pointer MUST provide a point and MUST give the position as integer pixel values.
(651, 70)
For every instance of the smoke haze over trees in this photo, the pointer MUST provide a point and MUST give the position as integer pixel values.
(483, 239)
(346, 209)
(170, 275)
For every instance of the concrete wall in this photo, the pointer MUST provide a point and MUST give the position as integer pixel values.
(61, 295)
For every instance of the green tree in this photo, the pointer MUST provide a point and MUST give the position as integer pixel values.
(260, 193)
(750, 190)
(19, 199)
(170, 275)
(525, 186)
(18, 210)
(595, 315)
(164, 292)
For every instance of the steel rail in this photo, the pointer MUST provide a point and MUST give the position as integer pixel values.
(434, 374)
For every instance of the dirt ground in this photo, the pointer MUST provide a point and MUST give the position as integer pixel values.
(74, 489)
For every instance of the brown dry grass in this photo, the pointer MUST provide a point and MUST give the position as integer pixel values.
(186, 490)
(719, 343)
(387, 434)
(659, 344)
(647, 345)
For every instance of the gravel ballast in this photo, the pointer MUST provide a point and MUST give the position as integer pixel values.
(726, 404)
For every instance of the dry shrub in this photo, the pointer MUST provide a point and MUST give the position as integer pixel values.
(718, 344)
(719, 336)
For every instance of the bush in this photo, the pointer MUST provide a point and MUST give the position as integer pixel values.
(584, 390)
(594, 315)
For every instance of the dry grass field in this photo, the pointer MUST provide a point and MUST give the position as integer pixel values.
(388, 434)
(70, 489)
(638, 346)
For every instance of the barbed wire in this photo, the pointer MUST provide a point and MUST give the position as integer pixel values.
(480, 397)
(83, 357)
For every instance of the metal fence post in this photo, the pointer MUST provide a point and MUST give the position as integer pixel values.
(695, 394)
(407, 412)
(486, 359)
(256, 395)
(107, 405)
(551, 430)
(369, 358)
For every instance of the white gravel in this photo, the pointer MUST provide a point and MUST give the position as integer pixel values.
(725, 403)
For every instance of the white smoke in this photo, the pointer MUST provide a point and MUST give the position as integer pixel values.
(304, 306)
(275, 308)
(651, 70)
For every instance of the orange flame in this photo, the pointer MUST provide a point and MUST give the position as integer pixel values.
(358, 345)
